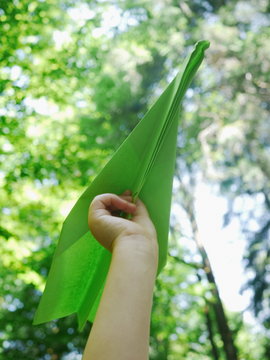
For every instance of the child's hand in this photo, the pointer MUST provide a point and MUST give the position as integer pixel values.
(123, 317)
(110, 229)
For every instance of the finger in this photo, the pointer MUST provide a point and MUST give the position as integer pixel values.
(117, 203)
(126, 197)
(127, 192)
(141, 209)
(105, 203)
(141, 215)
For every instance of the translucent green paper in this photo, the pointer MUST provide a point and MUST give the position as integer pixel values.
(144, 163)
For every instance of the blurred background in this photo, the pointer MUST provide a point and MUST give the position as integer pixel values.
(75, 78)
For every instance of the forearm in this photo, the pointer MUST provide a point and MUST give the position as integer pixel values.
(122, 324)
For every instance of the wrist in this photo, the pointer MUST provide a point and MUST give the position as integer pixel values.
(139, 247)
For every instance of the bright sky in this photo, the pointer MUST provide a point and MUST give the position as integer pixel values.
(225, 247)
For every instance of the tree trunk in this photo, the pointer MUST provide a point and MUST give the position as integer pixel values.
(222, 323)
(209, 326)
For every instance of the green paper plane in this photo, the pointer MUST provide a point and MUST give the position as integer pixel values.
(144, 164)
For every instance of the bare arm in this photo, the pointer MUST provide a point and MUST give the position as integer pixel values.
(121, 327)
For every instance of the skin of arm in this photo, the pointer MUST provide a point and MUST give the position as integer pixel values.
(122, 325)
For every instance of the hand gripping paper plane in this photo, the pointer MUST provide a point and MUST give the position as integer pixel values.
(144, 164)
